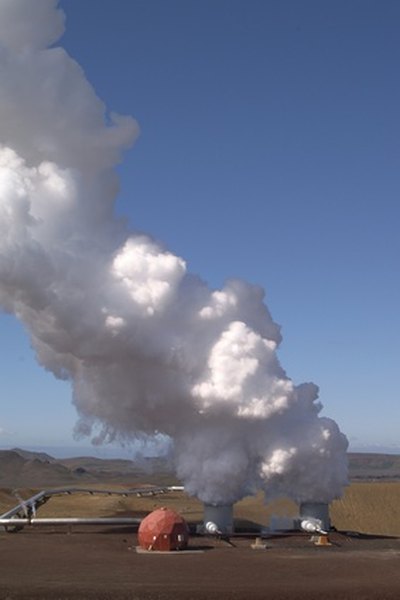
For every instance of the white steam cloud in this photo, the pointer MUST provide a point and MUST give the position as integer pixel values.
(147, 346)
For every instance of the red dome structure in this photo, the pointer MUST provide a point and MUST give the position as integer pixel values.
(163, 529)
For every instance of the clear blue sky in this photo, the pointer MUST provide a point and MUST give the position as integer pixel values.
(269, 150)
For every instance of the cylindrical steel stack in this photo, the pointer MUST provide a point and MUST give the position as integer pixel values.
(316, 510)
(219, 515)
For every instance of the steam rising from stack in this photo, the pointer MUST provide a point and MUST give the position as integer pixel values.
(147, 346)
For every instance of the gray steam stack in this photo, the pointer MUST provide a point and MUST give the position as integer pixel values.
(218, 519)
(316, 510)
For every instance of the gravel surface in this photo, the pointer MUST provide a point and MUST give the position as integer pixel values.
(103, 564)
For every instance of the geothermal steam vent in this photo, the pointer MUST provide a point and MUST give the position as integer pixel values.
(147, 346)
(218, 519)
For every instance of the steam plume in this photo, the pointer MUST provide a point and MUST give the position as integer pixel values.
(147, 346)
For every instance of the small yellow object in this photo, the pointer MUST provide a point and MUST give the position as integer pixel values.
(322, 540)
(258, 544)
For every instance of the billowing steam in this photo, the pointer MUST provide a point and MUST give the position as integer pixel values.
(147, 346)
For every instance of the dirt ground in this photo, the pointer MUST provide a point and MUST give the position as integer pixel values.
(103, 564)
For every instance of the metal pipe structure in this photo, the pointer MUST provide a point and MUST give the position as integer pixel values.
(24, 513)
(316, 510)
(212, 528)
(312, 526)
(32, 504)
(218, 519)
(71, 521)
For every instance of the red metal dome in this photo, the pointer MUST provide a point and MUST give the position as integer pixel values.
(163, 529)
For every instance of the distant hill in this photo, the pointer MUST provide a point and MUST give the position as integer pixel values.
(15, 470)
(42, 456)
(370, 466)
(22, 468)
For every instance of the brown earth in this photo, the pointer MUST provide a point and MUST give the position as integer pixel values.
(102, 563)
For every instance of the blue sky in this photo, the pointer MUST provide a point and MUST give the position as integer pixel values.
(269, 150)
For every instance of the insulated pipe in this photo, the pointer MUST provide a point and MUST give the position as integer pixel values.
(31, 504)
(27, 505)
(221, 516)
(72, 521)
(212, 528)
(316, 510)
(312, 526)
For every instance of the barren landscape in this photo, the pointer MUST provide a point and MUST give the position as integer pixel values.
(101, 562)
